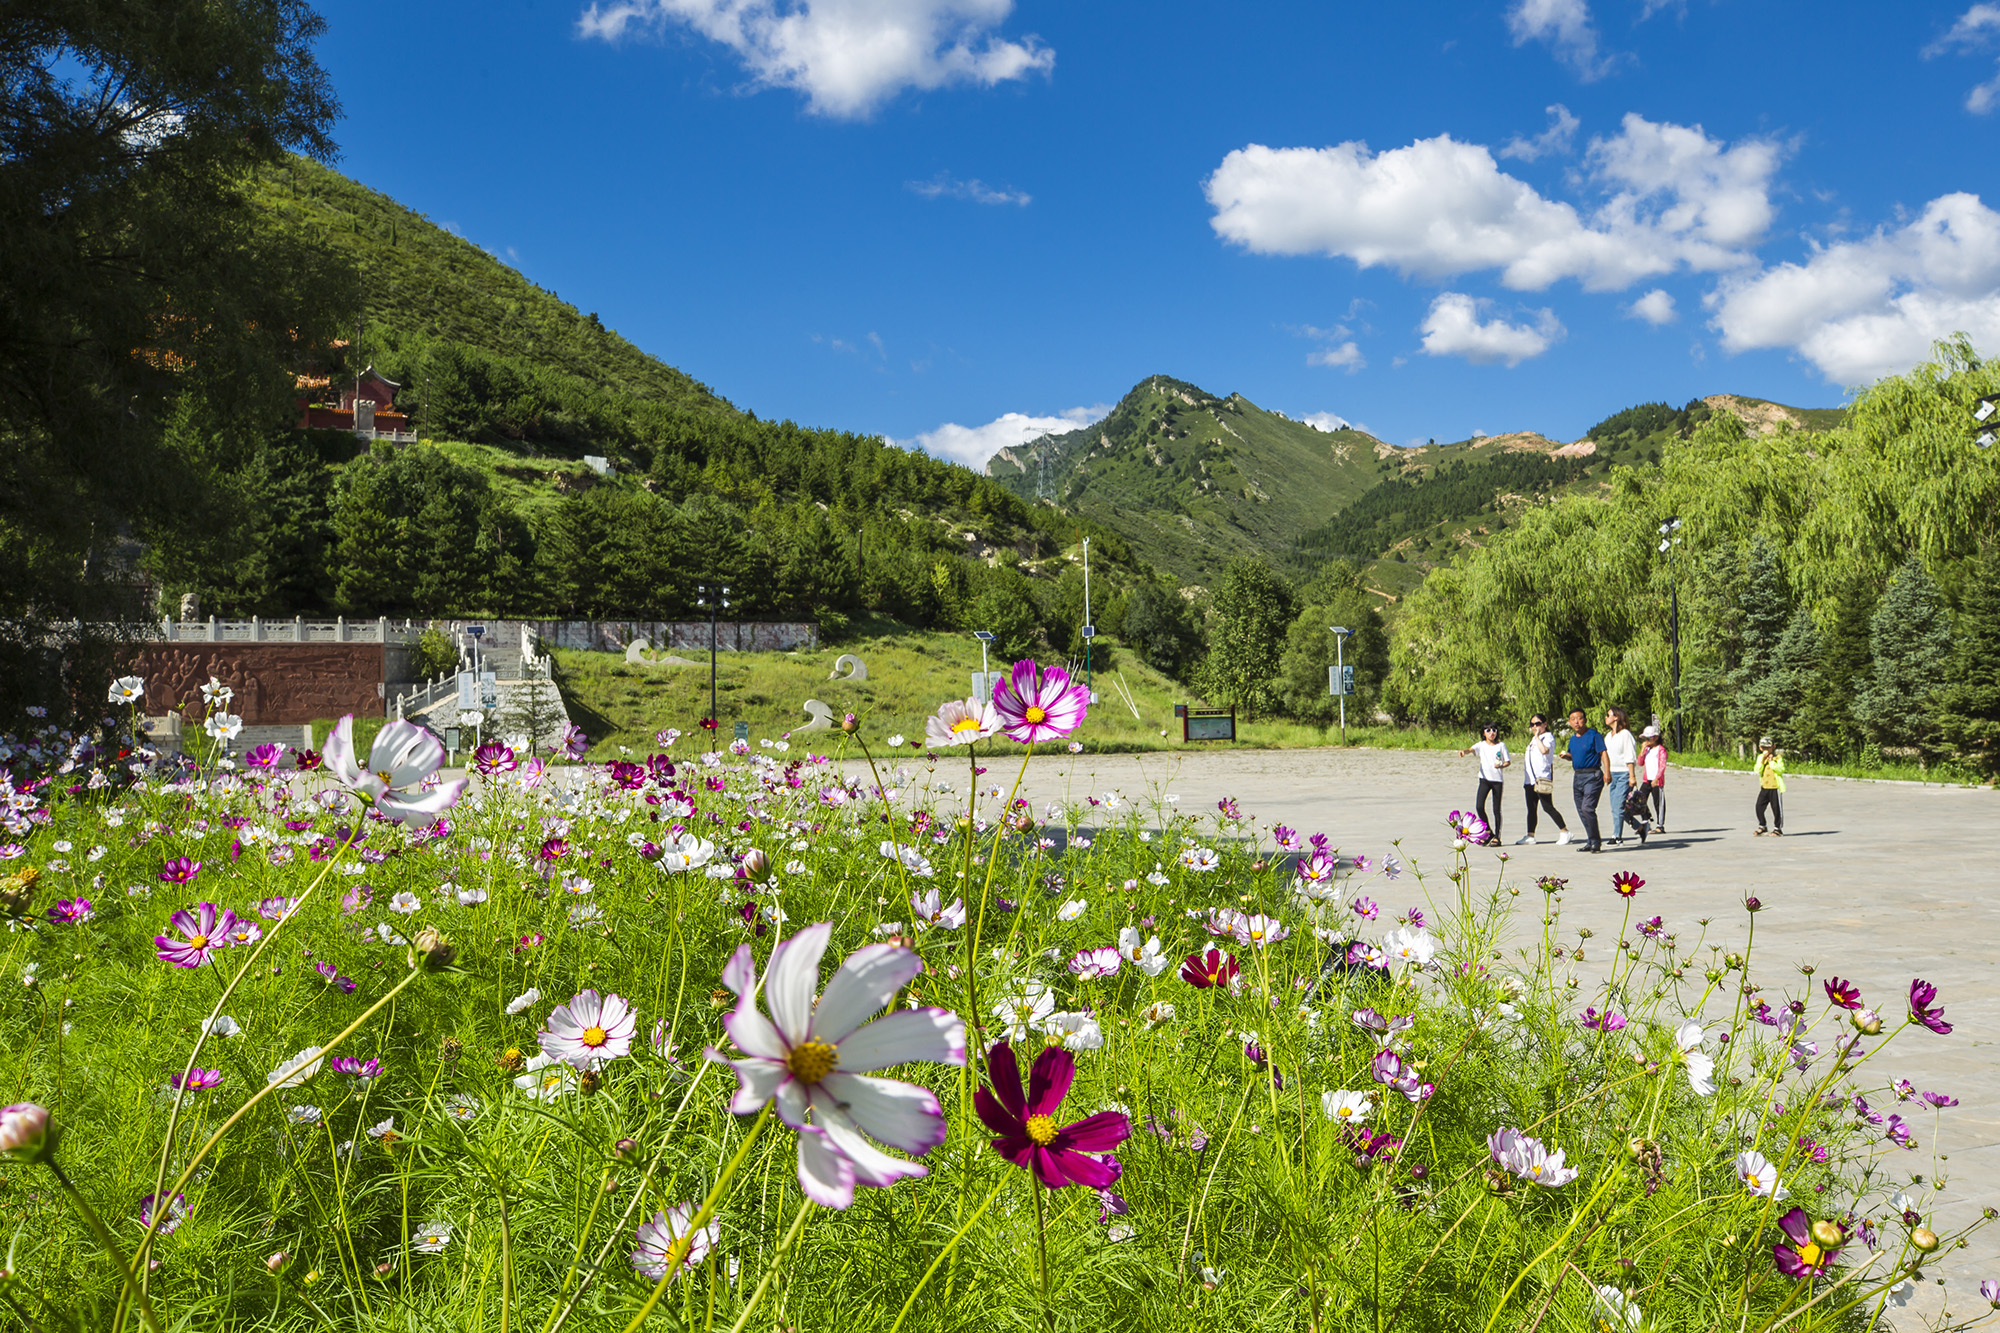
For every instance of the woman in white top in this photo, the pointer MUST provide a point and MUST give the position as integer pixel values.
(1538, 777)
(1621, 747)
(1493, 757)
(1653, 773)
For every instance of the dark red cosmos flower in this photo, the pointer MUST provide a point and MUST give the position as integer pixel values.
(1922, 1011)
(1214, 968)
(1627, 883)
(1843, 993)
(709, 724)
(1026, 1126)
(555, 849)
(307, 760)
(1809, 1248)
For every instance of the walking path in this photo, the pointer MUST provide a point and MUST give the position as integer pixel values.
(1874, 882)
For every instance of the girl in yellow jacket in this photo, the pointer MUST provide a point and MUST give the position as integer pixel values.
(1770, 770)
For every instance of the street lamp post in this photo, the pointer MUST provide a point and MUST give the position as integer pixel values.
(1982, 412)
(1669, 539)
(715, 723)
(1089, 628)
(1340, 633)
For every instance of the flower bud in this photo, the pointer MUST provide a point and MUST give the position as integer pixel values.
(433, 951)
(1752, 905)
(850, 724)
(1734, 962)
(277, 1260)
(1828, 1234)
(1866, 1021)
(26, 1134)
(626, 1149)
(1924, 1239)
(756, 865)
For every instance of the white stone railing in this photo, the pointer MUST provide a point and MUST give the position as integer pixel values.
(296, 630)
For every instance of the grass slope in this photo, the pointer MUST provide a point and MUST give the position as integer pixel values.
(1194, 481)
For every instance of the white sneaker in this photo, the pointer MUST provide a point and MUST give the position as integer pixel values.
(1524, 842)
(1562, 838)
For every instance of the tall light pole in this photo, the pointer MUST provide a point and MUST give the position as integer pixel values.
(1089, 629)
(1983, 411)
(1340, 633)
(715, 723)
(1669, 539)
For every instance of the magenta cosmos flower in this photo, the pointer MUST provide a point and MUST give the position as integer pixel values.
(1039, 703)
(403, 757)
(265, 756)
(814, 1060)
(179, 870)
(1923, 1011)
(1809, 1248)
(492, 758)
(198, 1079)
(1214, 968)
(202, 929)
(1843, 993)
(589, 1030)
(1028, 1135)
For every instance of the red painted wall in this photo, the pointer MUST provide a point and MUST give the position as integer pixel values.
(275, 683)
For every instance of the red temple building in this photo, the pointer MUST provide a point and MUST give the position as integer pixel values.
(367, 406)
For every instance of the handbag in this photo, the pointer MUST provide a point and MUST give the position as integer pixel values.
(1547, 786)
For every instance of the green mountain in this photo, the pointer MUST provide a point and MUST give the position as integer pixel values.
(1194, 481)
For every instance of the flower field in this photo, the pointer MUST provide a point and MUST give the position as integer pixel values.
(718, 1039)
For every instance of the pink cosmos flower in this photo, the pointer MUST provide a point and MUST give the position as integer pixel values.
(1288, 839)
(816, 1060)
(265, 756)
(1039, 704)
(70, 911)
(589, 1030)
(198, 1079)
(357, 1068)
(1843, 993)
(1809, 1248)
(575, 745)
(1090, 964)
(203, 929)
(1246, 928)
(493, 757)
(401, 764)
(960, 722)
(1923, 1011)
(1529, 1159)
(1028, 1135)
(657, 1238)
(179, 871)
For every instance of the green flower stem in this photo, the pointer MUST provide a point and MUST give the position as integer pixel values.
(1616, 1173)
(950, 1245)
(1042, 1243)
(111, 1246)
(160, 1214)
(777, 1262)
(685, 1242)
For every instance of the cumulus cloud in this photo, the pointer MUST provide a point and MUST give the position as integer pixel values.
(846, 56)
(1975, 30)
(1453, 328)
(944, 186)
(1655, 307)
(973, 445)
(1555, 139)
(1439, 208)
(1343, 356)
(1327, 421)
(1865, 308)
(1565, 25)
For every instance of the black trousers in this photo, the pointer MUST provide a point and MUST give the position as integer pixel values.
(1659, 807)
(1588, 787)
(1768, 799)
(1539, 801)
(1488, 787)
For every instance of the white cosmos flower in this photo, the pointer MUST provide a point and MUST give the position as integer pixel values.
(1158, 1012)
(1026, 1012)
(1529, 1159)
(1200, 859)
(297, 1069)
(1344, 1107)
(960, 722)
(1410, 945)
(402, 764)
(545, 1078)
(686, 852)
(431, 1238)
(1700, 1066)
(471, 897)
(930, 911)
(527, 999)
(1141, 952)
(406, 903)
(816, 1061)
(221, 1026)
(1617, 1310)
(912, 859)
(128, 689)
(658, 1238)
(1078, 1032)
(1072, 909)
(1759, 1176)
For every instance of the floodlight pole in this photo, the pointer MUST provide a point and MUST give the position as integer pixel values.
(1668, 541)
(714, 730)
(1089, 678)
(1340, 633)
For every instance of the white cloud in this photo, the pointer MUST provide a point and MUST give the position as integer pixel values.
(1346, 356)
(1440, 208)
(1555, 139)
(846, 56)
(1655, 307)
(944, 186)
(1862, 309)
(973, 445)
(1974, 31)
(1327, 421)
(1453, 328)
(1565, 25)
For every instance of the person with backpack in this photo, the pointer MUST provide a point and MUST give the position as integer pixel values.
(1770, 770)
(1538, 780)
(1653, 773)
(1493, 758)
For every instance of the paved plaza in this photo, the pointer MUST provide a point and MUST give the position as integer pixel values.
(1874, 882)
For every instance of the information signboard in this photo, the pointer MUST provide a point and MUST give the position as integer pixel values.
(1208, 724)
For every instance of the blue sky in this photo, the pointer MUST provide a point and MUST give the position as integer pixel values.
(960, 222)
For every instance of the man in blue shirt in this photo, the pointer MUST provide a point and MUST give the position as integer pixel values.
(1590, 763)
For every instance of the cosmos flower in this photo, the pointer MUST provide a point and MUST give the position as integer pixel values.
(1142, 953)
(128, 690)
(1414, 946)
(1808, 1248)
(1201, 860)
(1925, 1013)
(1616, 1311)
(1391, 1070)
(1843, 993)
(1759, 1176)
(1247, 929)
(401, 763)
(960, 722)
(1528, 1159)
(265, 756)
(1344, 1107)
(26, 1134)
(685, 852)
(357, 1068)
(295, 1071)
(1026, 1012)
(816, 1061)
(203, 929)
(1025, 1126)
(197, 1079)
(176, 1210)
(1214, 968)
(1467, 827)
(1090, 964)
(589, 1030)
(180, 870)
(493, 758)
(1627, 884)
(658, 1237)
(70, 911)
(431, 1238)
(1075, 1031)
(544, 1078)
(1037, 704)
(1700, 1067)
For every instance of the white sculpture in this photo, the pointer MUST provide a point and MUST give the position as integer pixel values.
(822, 717)
(859, 669)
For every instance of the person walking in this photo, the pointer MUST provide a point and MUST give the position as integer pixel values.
(1493, 758)
(1538, 780)
(1653, 773)
(1589, 767)
(1622, 753)
(1770, 770)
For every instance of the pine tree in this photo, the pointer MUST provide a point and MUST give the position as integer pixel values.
(1910, 642)
(1826, 725)
(1253, 611)
(1772, 703)
(1767, 614)
(1968, 706)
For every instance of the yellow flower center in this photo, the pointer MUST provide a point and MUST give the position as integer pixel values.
(1811, 1254)
(1753, 1182)
(197, 941)
(1035, 714)
(966, 724)
(812, 1060)
(1042, 1129)
(595, 1036)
